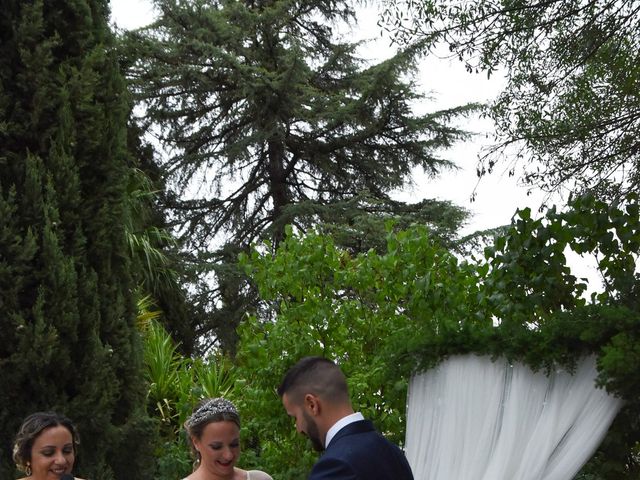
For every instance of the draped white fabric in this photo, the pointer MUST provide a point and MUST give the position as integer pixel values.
(474, 419)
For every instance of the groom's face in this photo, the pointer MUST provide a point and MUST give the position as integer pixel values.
(305, 423)
(311, 431)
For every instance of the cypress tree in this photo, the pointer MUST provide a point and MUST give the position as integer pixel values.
(67, 339)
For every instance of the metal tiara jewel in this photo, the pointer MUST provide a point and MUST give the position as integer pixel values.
(210, 408)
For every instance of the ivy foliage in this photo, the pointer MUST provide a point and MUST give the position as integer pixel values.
(386, 315)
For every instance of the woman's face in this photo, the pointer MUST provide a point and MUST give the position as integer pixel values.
(219, 447)
(52, 454)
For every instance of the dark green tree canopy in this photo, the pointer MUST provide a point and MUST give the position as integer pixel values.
(67, 334)
(269, 119)
(571, 108)
(261, 108)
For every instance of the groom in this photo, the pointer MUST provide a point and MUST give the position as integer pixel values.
(314, 392)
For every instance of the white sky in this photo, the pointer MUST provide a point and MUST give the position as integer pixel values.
(449, 85)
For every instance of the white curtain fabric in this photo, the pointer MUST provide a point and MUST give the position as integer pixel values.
(474, 419)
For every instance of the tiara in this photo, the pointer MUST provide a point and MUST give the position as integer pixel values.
(209, 409)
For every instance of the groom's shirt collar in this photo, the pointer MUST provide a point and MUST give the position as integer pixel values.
(340, 424)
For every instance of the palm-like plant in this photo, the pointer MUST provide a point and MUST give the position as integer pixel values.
(147, 243)
(164, 367)
(215, 377)
(176, 383)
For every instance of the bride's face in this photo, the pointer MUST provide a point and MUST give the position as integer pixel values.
(219, 447)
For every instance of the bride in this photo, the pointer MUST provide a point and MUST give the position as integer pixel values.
(214, 435)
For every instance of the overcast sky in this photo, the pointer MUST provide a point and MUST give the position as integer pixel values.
(449, 85)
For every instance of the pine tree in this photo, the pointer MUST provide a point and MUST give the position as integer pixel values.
(271, 120)
(67, 339)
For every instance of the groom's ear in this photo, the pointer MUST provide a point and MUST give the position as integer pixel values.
(312, 404)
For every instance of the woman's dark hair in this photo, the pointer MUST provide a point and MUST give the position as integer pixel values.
(32, 427)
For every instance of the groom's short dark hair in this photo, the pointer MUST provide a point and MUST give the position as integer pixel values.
(316, 375)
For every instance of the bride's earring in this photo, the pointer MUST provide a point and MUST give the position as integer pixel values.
(27, 469)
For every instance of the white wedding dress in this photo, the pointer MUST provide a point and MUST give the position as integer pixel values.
(255, 475)
(258, 475)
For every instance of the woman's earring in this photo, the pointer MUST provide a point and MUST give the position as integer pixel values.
(27, 469)
(196, 461)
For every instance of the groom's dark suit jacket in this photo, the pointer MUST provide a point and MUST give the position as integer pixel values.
(359, 452)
